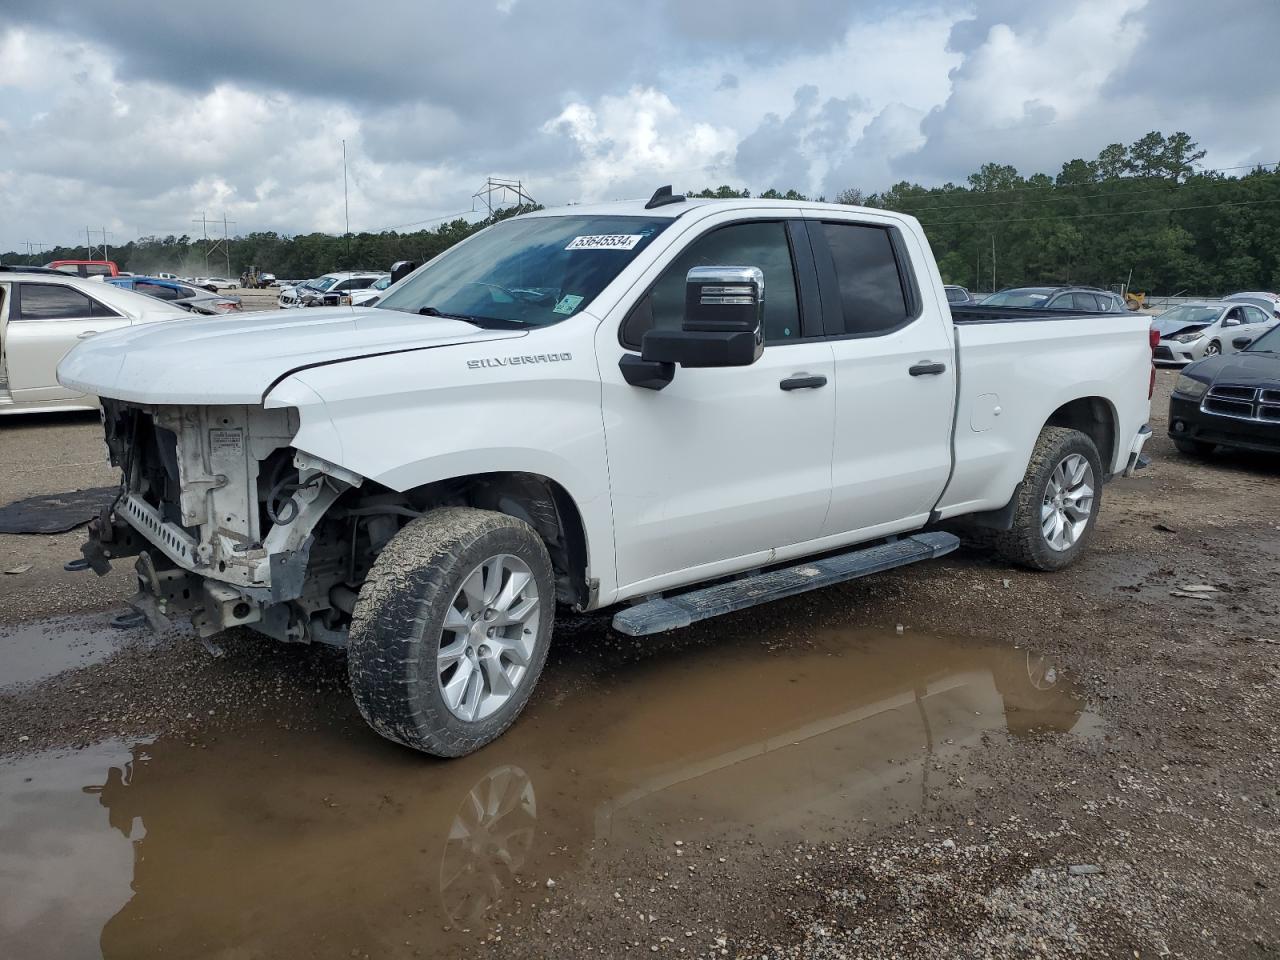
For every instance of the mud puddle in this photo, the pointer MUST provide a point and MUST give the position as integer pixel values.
(34, 651)
(266, 841)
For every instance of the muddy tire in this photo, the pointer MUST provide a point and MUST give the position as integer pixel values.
(1193, 448)
(451, 630)
(1053, 517)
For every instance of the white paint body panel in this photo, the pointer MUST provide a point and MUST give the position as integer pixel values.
(719, 472)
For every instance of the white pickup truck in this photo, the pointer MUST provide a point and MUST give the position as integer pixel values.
(676, 408)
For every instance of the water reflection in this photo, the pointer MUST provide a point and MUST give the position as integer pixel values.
(289, 843)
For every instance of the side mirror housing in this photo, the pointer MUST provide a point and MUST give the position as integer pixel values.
(1241, 342)
(401, 269)
(723, 323)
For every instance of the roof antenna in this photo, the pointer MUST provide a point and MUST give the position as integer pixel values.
(662, 196)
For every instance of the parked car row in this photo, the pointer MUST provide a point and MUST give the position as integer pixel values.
(331, 290)
(192, 298)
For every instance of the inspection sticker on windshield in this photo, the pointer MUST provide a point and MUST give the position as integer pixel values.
(568, 303)
(606, 241)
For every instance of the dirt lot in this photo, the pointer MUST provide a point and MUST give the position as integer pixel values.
(958, 759)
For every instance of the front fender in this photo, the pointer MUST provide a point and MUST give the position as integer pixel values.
(405, 420)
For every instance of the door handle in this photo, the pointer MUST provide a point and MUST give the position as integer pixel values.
(927, 368)
(86, 335)
(803, 381)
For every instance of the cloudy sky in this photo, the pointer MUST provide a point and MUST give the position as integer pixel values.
(143, 119)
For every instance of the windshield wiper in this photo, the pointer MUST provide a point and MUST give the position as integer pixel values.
(484, 323)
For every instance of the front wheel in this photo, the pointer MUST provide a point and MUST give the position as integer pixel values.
(1213, 349)
(1057, 504)
(451, 630)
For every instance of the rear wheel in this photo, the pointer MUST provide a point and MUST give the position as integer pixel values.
(1193, 448)
(1057, 504)
(451, 630)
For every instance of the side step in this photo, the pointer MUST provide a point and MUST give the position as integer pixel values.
(669, 613)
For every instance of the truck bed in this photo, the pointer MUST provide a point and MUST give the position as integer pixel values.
(977, 313)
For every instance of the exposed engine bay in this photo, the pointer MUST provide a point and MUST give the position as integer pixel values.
(235, 527)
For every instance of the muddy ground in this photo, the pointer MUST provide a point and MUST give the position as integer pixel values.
(957, 759)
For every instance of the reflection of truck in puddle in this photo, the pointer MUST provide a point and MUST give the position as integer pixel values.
(297, 841)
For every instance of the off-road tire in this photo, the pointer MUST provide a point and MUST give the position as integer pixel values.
(1193, 448)
(398, 619)
(1024, 543)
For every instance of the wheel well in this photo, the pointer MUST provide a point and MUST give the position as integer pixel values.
(539, 501)
(1093, 417)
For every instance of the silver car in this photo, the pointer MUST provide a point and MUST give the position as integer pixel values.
(1207, 328)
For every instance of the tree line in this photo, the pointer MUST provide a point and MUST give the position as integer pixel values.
(1145, 214)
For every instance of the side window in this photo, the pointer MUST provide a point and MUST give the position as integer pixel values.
(360, 283)
(762, 245)
(157, 290)
(1087, 302)
(47, 301)
(1232, 319)
(1254, 315)
(872, 298)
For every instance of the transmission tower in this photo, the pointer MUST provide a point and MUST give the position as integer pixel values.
(504, 190)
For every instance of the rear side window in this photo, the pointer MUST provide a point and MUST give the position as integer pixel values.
(47, 301)
(872, 297)
(157, 290)
(1087, 302)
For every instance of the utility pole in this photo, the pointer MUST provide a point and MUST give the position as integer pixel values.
(88, 245)
(346, 209)
(204, 226)
(993, 263)
(106, 252)
(226, 243)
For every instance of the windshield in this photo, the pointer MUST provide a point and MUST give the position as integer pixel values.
(1017, 298)
(1185, 316)
(324, 284)
(526, 271)
(1269, 342)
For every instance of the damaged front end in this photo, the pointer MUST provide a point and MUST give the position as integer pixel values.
(230, 523)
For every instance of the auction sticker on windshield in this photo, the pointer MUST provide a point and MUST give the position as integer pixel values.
(606, 241)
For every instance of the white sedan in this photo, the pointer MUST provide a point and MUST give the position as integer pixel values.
(43, 314)
(1192, 331)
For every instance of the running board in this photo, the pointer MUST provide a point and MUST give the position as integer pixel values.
(670, 613)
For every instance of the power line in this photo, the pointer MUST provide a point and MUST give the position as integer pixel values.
(1112, 213)
(416, 223)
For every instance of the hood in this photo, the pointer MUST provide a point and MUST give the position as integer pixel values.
(1245, 369)
(237, 358)
(1170, 328)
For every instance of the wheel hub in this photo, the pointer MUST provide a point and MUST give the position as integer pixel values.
(1068, 502)
(488, 638)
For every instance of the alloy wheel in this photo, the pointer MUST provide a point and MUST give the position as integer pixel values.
(1068, 502)
(489, 635)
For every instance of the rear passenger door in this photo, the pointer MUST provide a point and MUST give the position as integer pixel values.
(1256, 323)
(895, 378)
(45, 321)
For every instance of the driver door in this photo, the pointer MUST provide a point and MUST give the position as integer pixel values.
(724, 465)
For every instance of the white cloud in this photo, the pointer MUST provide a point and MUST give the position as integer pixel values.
(589, 101)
